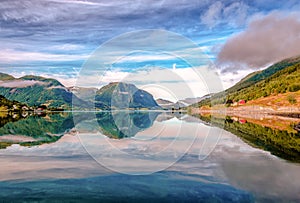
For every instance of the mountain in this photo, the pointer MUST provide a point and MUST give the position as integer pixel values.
(163, 102)
(50, 82)
(280, 78)
(166, 104)
(118, 95)
(258, 76)
(36, 90)
(189, 101)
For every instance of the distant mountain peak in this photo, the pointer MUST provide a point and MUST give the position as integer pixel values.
(122, 95)
(163, 101)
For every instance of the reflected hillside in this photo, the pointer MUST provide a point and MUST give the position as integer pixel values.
(6, 117)
(33, 130)
(123, 124)
(283, 142)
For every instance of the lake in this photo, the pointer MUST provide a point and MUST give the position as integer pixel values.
(148, 156)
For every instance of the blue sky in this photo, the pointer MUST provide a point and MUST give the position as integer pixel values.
(55, 37)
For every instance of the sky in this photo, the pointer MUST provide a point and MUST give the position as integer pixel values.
(58, 38)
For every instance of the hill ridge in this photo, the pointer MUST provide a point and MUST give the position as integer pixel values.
(280, 77)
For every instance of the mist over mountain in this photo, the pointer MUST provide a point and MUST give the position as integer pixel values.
(35, 90)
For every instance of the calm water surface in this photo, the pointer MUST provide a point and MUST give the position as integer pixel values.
(148, 156)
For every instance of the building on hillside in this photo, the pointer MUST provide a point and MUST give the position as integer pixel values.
(241, 102)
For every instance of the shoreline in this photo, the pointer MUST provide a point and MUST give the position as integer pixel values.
(254, 111)
(282, 120)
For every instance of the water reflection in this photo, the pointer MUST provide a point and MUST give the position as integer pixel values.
(31, 130)
(233, 171)
(160, 139)
(124, 124)
(270, 133)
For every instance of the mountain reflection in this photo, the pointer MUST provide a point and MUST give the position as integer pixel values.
(273, 134)
(124, 124)
(33, 130)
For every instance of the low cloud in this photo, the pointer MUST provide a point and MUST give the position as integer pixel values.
(266, 40)
(20, 83)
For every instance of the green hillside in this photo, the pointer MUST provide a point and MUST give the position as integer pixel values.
(255, 77)
(35, 91)
(5, 77)
(43, 91)
(281, 77)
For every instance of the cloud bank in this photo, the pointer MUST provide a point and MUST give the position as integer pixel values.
(266, 40)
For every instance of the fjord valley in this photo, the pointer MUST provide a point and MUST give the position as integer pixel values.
(129, 130)
(149, 101)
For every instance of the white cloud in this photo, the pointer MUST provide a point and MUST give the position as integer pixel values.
(9, 55)
(67, 47)
(235, 14)
(213, 14)
(180, 83)
(79, 2)
(230, 78)
(148, 57)
(111, 76)
(19, 83)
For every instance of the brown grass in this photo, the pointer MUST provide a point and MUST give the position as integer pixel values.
(276, 101)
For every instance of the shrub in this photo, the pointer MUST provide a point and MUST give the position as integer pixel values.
(291, 99)
(294, 87)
